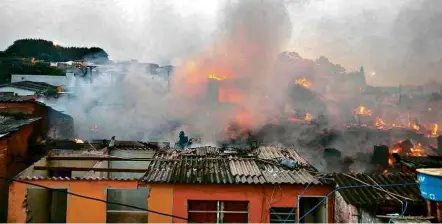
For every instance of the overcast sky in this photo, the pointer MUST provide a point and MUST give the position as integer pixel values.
(398, 41)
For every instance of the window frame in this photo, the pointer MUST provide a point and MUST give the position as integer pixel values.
(293, 217)
(219, 209)
(126, 211)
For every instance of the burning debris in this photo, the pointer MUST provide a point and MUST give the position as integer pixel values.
(303, 82)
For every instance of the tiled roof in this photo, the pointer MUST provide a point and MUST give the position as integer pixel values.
(417, 162)
(75, 178)
(369, 196)
(9, 124)
(189, 169)
(277, 153)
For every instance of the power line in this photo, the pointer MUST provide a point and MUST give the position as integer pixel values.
(354, 186)
(299, 196)
(94, 199)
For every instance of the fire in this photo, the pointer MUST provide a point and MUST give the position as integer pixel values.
(363, 110)
(78, 141)
(379, 122)
(308, 117)
(416, 127)
(214, 76)
(435, 129)
(417, 150)
(33, 61)
(303, 82)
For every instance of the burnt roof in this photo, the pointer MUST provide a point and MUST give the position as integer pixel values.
(369, 196)
(10, 124)
(223, 170)
(417, 162)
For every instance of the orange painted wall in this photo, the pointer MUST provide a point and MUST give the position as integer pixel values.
(160, 200)
(258, 196)
(79, 210)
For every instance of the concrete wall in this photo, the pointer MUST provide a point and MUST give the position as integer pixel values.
(17, 91)
(260, 198)
(79, 210)
(347, 213)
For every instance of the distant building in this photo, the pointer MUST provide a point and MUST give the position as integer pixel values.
(61, 80)
(25, 88)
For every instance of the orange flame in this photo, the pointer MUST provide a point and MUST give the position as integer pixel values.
(416, 127)
(417, 150)
(363, 110)
(379, 122)
(303, 82)
(77, 140)
(435, 129)
(214, 76)
(33, 61)
(308, 117)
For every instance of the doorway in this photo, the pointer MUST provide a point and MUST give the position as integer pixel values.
(317, 215)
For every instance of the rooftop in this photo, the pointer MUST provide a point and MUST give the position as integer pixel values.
(204, 165)
(11, 124)
(417, 162)
(29, 85)
(370, 196)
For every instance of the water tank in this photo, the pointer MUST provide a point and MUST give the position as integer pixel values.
(430, 182)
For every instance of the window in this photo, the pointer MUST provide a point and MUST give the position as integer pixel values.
(123, 214)
(47, 206)
(279, 215)
(218, 211)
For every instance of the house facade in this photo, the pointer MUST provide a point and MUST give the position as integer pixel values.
(196, 185)
(16, 135)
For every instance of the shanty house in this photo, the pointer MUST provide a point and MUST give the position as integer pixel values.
(16, 136)
(378, 204)
(204, 184)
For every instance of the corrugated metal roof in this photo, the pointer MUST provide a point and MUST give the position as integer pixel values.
(276, 153)
(29, 85)
(371, 196)
(188, 169)
(206, 150)
(417, 162)
(9, 124)
(75, 178)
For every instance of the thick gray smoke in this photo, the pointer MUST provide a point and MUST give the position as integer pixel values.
(129, 103)
(400, 41)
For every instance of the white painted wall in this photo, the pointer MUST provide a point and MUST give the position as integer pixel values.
(18, 91)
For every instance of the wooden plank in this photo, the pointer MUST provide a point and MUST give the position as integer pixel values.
(96, 169)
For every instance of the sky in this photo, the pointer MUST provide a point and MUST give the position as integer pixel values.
(397, 41)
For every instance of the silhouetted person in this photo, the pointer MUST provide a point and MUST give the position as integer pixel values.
(183, 141)
(111, 143)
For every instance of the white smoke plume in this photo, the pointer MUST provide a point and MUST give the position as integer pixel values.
(131, 104)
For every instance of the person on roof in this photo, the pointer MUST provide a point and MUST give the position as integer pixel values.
(111, 143)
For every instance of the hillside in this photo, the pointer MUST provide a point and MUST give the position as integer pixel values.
(45, 50)
(18, 58)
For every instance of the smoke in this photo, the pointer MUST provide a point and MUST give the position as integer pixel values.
(398, 40)
(128, 102)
